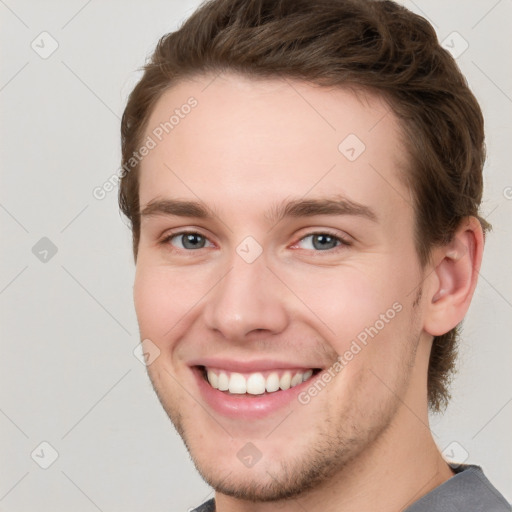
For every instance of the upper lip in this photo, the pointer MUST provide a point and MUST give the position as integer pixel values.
(232, 365)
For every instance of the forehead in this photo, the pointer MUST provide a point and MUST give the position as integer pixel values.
(231, 140)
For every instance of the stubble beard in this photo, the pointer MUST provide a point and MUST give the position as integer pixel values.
(338, 441)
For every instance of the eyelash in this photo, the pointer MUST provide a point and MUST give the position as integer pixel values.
(343, 242)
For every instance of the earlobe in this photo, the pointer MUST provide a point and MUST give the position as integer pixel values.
(454, 279)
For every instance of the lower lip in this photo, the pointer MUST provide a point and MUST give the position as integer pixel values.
(247, 407)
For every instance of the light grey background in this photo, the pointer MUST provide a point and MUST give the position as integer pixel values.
(68, 373)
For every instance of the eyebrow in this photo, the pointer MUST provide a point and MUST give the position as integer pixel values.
(325, 206)
(295, 208)
(177, 208)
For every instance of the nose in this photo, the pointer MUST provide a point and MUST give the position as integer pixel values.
(248, 300)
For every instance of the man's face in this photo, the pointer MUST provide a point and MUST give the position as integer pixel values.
(298, 250)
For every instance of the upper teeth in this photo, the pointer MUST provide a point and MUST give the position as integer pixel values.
(256, 383)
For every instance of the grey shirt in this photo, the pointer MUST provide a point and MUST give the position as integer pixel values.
(467, 491)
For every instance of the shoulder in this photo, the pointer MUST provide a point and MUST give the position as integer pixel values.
(468, 489)
(207, 506)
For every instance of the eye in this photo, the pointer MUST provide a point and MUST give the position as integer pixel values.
(321, 242)
(187, 240)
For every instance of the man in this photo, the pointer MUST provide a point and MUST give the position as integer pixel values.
(303, 182)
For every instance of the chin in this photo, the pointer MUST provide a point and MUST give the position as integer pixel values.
(277, 475)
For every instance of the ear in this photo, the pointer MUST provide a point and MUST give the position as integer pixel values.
(453, 281)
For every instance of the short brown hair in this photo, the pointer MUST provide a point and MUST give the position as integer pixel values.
(372, 44)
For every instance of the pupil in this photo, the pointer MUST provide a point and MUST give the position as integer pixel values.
(324, 242)
(193, 241)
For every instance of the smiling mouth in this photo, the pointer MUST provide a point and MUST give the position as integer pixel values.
(256, 383)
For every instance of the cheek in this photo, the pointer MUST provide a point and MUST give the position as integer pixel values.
(165, 299)
(360, 311)
(345, 300)
(156, 305)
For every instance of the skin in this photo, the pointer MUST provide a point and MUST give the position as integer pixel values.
(363, 443)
